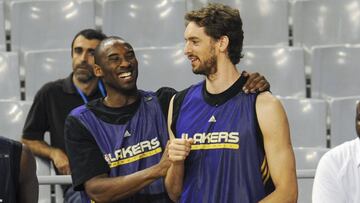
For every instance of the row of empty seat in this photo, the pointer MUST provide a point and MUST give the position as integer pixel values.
(160, 22)
(334, 70)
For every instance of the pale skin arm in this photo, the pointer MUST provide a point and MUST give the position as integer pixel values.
(179, 149)
(28, 182)
(57, 156)
(280, 156)
(102, 188)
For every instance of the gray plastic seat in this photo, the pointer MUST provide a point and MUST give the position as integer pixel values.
(44, 66)
(145, 23)
(9, 76)
(48, 24)
(307, 159)
(2, 26)
(12, 118)
(320, 22)
(164, 67)
(342, 118)
(335, 71)
(307, 120)
(264, 22)
(283, 67)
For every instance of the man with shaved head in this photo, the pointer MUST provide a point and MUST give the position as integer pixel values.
(117, 144)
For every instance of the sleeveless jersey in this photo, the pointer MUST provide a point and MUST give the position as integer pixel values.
(136, 145)
(227, 162)
(10, 156)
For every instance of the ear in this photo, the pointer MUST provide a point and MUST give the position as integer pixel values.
(223, 43)
(97, 71)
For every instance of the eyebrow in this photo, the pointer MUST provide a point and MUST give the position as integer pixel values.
(192, 38)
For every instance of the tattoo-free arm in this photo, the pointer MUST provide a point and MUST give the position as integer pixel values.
(280, 156)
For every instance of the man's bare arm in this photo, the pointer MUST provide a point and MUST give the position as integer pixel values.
(57, 156)
(280, 156)
(102, 188)
(28, 182)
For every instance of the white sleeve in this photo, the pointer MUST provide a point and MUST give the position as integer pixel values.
(327, 188)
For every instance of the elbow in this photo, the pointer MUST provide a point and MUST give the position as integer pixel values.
(98, 197)
(174, 196)
(290, 194)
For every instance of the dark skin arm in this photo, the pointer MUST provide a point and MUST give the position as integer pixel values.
(28, 183)
(103, 188)
(255, 82)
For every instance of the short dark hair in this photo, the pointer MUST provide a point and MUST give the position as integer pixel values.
(221, 20)
(88, 34)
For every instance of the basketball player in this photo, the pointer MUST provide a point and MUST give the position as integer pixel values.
(228, 146)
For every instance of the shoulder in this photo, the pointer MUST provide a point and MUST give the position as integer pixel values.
(51, 87)
(267, 102)
(341, 154)
(79, 110)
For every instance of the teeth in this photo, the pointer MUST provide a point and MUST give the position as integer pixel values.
(123, 75)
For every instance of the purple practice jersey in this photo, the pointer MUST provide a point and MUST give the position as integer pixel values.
(136, 145)
(227, 162)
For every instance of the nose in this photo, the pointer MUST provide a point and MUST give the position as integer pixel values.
(125, 63)
(187, 48)
(84, 57)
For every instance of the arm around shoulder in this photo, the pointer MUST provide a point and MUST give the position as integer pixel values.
(278, 149)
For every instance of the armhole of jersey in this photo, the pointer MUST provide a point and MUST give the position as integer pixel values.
(260, 137)
(169, 118)
(176, 105)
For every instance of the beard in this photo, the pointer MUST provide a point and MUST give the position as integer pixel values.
(84, 75)
(209, 66)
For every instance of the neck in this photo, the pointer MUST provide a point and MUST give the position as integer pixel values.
(86, 87)
(115, 99)
(226, 75)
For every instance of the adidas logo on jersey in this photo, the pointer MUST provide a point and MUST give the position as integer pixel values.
(127, 134)
(212, 119)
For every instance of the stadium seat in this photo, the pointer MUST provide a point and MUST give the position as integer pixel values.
(164, 67)
(320, 22)
(145, 23)
(47, 24)
(282, 66)
(264, 22)
(342, 118)
(2, 26)
(306, 159)
(44, 66)
(307, 120)
(9, 76)
(12, 118)
(335, 71)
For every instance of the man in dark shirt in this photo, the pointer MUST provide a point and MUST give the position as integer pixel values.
(56, 99)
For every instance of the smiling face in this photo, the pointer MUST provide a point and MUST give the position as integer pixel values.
(118, 66)
(200, 50)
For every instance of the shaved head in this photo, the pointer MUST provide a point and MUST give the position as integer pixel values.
(109, 41)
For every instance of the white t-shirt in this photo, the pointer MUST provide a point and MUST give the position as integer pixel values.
(337, 177)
